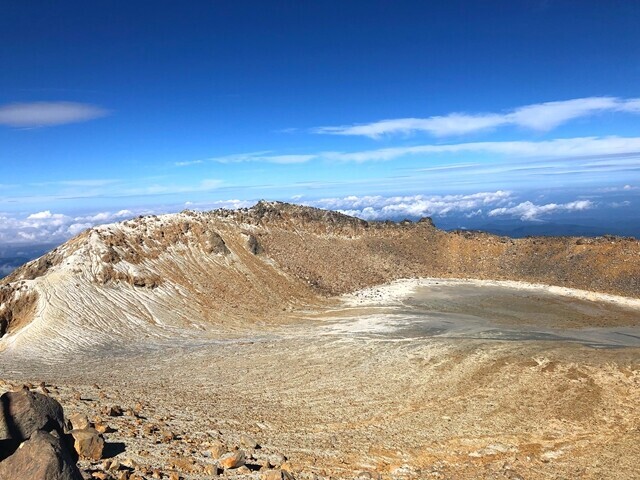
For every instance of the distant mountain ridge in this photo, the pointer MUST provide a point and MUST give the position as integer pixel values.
(160, 276)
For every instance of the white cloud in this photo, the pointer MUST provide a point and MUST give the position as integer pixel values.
(539, 117)
(626, 188)
(188, 163)
(47, 114)
(625, 203)
(76, 228)
(264, 156)
(6, 269)
(232, 204)
(563, 147)
(528, 211)
(48, 227)
(493, 204)
(40, 215)
(94, 182)
(379, 207)
(558, 148)
(107, 216)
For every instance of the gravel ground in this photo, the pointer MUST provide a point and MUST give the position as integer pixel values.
(333, 401)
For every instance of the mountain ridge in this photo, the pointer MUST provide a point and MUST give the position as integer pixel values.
(159, 275)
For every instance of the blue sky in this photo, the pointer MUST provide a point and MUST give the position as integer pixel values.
(499, 109)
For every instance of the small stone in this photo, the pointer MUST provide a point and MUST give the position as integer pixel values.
(103, 428)
(88, 443)
(149, 428)
(79, 421)
(248, 441)
(113, 411)
(217, 449)
(184, 464)
(131, 463)
(211, 470)
(100, 475)
(232, 459)
(277, 459)
(276, 475)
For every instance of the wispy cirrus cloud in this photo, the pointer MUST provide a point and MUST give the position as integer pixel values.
(558, 148)
(562, 147)
(264, 156)
(93, 189)
(48, 114)
(92, 182)
(538, 117)
(189, 163)
(232, 204)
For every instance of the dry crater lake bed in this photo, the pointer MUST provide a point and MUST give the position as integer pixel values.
(417, 379)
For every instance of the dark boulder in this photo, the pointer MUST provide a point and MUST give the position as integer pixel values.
(24, 412)
(216, 244)
(42, 457)
(253, 245)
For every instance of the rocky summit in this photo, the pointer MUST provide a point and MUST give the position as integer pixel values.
(283, 341)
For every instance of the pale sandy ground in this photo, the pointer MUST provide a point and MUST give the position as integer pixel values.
(372, 389)
(396, 292)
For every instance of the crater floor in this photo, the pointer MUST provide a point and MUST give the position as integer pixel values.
(431, 379)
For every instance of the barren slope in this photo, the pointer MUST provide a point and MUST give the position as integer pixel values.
(217, 271)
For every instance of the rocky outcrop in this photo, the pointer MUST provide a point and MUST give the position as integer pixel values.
(17, 306)
(42, 457)
(215, 244)
(25, 412)
(33, 443)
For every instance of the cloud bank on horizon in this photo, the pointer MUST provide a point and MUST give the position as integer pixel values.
(46, 227)
(491, 204)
